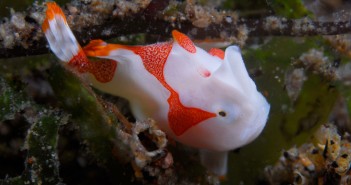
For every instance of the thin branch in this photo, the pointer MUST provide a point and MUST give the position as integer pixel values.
(275, 26)
(20, 35)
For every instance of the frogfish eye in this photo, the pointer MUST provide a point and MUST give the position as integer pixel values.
(222, 113)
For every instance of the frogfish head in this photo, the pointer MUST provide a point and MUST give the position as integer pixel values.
(227, 90)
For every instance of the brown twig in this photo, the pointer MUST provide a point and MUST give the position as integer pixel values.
(20, 35)
(110, 106)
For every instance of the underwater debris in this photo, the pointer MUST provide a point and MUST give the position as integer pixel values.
(326, 161)
(40, 134)
(304, 25)
(151, 160)
(20, 34)
(21, 29)
(315, 61)
(294, 81)
(342, 43)
(345, 74)
(202, 16)
(329, 10)
(150, 156)
(274, 23)
(333, 10)
(42, 159)
(141, 131)
(340, 115)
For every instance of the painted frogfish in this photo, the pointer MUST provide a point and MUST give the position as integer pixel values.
(202, 99)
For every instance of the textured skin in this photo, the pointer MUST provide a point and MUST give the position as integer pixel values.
(184, 41)
(80, 62)
(103, 70)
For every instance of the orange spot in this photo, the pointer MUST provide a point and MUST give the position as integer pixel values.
(216, 52)
(30, 160)
(101, 48)
(80, 62)
(52, 10)
(103, 70)
(184, 41)
(180, 118)
(154, 58)
(94, 45)
(45, 25)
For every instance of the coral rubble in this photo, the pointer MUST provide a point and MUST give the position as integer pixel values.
(325, 161)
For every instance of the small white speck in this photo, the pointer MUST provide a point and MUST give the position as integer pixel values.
(228, 19)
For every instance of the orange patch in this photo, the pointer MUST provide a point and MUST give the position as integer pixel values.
(216, 52)
(80, 62)
(184, 41)
(103, 70)
(45, 25)
(94, 45)
(101, 48)
(180, 118)
(52, 10)
(154, 58)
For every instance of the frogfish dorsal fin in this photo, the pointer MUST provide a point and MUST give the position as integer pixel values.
(184, 41)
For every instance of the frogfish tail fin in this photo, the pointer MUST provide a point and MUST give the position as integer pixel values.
(60, 37)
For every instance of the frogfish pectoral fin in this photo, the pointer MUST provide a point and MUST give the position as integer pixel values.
(214, 161)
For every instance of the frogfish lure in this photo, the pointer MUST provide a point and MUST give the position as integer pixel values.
(202, 99)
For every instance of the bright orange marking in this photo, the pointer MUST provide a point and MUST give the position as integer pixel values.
(80, 62)
(94, 44)
(45, 25)
(216, 52)
(103, 70)
(184, 41)
(52, 10)
(180, 118)
(101, 48)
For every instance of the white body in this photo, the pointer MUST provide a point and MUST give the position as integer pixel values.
(229, 88)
